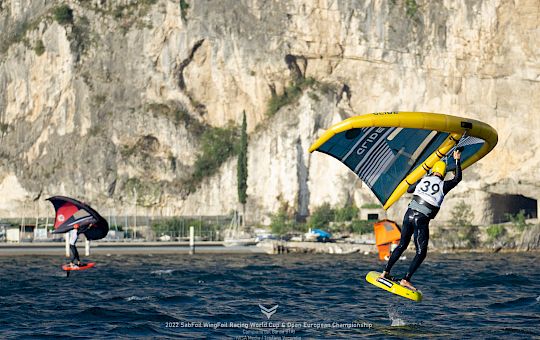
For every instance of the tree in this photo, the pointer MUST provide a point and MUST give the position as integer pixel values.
(281, 221)
(242, 171)
(518, 220)
(462, 216)
(322, 216)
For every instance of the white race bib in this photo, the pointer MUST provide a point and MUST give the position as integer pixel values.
(430, 189)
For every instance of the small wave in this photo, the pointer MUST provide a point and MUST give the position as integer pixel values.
(161, 272)
(99, 293)
(172, 299)
(137, 298)
(515, 304)
(538, 298)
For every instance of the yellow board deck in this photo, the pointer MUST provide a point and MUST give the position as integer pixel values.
(393, 287)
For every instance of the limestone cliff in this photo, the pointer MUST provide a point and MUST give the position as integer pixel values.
(101, 104)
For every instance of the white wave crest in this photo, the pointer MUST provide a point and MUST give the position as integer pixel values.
(162, 272)
(137, 298)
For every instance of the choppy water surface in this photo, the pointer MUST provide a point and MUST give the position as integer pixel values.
(318, 296)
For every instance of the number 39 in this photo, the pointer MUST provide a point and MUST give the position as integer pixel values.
(433, 186)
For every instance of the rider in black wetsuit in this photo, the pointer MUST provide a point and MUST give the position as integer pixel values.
(73, 235)
(428, 195)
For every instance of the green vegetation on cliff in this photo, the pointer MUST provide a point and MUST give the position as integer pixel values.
(289, 96)
(177, 114)
(39, 47)
(184, 6)
(217, 145)
(518, 220)
(63, 14)
(371, 206)
(322, 216)
(495, 231)
(411, 7)
(17, 34)
(294, 91)
(283, 221)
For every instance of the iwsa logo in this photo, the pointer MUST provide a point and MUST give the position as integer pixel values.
(268, 311)
(61, 218)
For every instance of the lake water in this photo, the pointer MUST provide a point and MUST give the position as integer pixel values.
(218, 296)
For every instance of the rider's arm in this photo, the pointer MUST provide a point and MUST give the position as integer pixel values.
(451, 184)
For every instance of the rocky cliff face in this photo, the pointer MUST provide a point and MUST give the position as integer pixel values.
(103, 105)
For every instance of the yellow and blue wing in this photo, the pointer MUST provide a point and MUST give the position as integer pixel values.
(391, 150)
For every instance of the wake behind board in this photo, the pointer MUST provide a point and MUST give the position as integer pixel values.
(393, 287)
(89, 265)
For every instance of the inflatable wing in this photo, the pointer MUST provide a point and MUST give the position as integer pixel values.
(71, 213)
(391, 150)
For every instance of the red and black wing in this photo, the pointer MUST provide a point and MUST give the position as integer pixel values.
(71, 214)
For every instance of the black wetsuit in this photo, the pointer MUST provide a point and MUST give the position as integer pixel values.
(74, 254)
(73, 236)
(417, 223)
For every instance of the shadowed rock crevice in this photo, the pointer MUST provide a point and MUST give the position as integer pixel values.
(297, 71)
(344, 93)
(185, 63)
(198, 106)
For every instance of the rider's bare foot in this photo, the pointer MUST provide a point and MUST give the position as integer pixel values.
(384, 275)
(407, 284)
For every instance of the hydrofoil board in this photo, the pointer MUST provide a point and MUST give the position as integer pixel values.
(393, 287)
(84, 266)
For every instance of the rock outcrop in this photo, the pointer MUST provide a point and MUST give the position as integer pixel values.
(102, 104)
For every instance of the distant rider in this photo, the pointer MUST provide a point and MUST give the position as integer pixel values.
(73, 235)
(427, 199)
